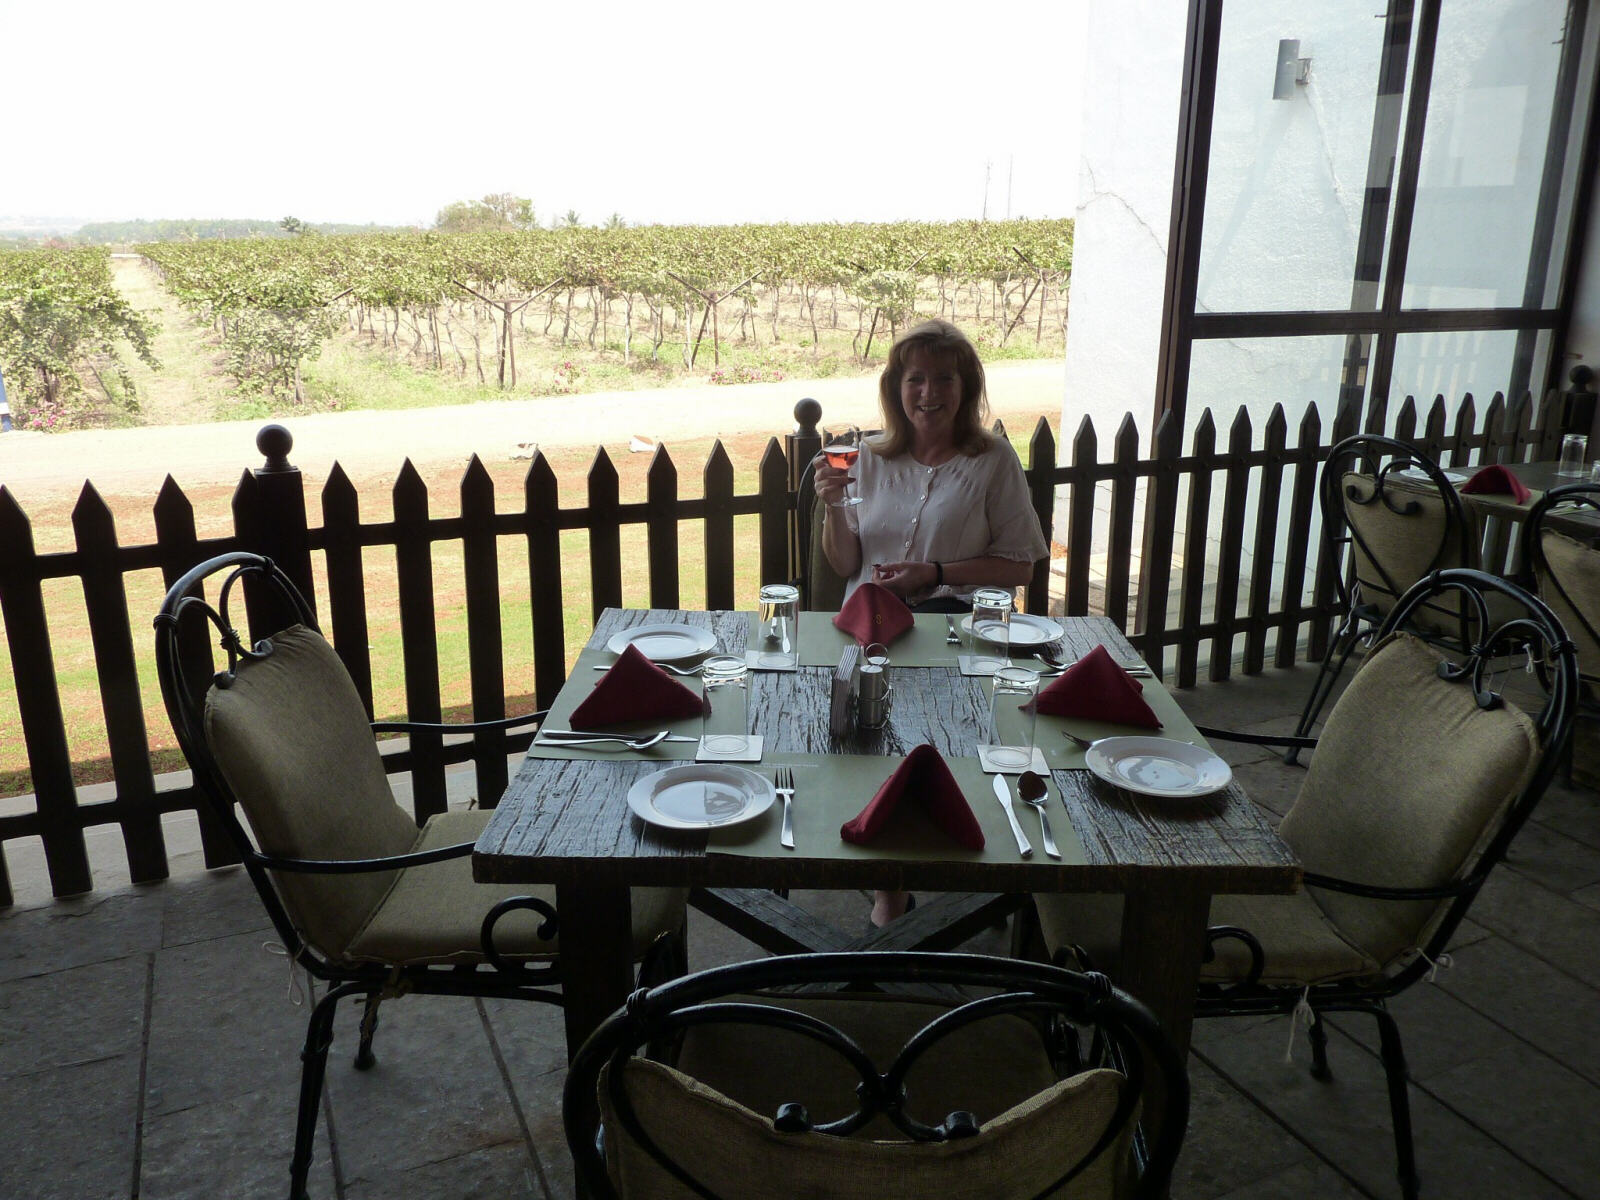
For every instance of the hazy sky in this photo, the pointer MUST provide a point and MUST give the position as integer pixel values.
(703, 111)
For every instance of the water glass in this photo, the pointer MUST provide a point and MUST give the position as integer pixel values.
(990, 641)
(1574, 455)
(725, 717)
(780, 626)
(1009, 731)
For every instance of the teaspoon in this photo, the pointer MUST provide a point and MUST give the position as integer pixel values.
(1033, 790)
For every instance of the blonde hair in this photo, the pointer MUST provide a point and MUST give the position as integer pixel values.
(940, 340)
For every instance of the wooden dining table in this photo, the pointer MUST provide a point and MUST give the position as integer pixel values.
(565, 818)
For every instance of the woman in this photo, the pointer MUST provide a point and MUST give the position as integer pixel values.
(944, 506)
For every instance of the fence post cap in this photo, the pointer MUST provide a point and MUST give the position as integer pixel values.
(1581, 376)
(808, 413)
(275, 441)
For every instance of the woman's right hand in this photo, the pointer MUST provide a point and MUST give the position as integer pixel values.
(830, 482)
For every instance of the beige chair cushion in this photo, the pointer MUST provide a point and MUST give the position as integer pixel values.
(737, 1153)
(1406, 785)
(1406, 546)
(434, 913)
(1299, 944)
(1570, 584)
(292, 739)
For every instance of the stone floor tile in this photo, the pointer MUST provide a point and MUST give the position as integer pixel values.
(1541, 1110)
(532, 1041)
(1310, 1181)
(1544, 1007)
(1552, 859)
(436, 1091)
(78, 1015)
(213, 904)
(1558, 930)
(1270, 784)
(221, 1023)
(239, 1149)
(496, 1173)
(68, 1133)
(1230, 1140)
(80, 930)
(1438, 1031)
(1589, 897)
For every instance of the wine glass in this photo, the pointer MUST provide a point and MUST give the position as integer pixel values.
(842, 450)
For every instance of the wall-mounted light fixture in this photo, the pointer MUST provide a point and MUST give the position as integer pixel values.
(1292, 69)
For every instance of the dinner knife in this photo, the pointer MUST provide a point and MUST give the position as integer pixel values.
(556, 735)
(1003, 794)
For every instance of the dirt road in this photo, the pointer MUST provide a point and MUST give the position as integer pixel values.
(37, 467)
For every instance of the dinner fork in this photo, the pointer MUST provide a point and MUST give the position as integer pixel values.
(641, 741)
(783, 784)
(693, 671)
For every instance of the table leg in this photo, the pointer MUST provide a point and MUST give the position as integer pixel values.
(596, 956)
(1163, 936)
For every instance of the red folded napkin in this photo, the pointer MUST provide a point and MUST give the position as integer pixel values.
(1496, 481)
(1096, 689)
(874, 614)
(635, 689)
(922, 779)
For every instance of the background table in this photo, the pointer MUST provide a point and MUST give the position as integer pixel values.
(565, 821)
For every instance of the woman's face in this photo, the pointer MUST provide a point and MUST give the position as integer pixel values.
(930, 396)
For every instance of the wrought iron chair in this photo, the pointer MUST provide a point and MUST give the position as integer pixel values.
(1389, 517)
(1422, 776)
(360, 897)
(1023, 1080)
(1565, 570)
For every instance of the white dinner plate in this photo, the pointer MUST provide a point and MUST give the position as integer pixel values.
(665, 643)
(1452, 475)
(700, 796)
(1026, 630)
(1157, 766)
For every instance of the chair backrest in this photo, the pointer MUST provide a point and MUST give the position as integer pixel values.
(283, 734)
(1566, 569)
(1398, 516)
(821, 587)
(1424, 771)
(669, 1134)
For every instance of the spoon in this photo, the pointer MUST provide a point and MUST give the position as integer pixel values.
(1033, 790)
(1059, 664)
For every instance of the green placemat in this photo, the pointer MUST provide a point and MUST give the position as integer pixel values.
(579, 684)
(922, 645)
(1060, 752)
(830, 791)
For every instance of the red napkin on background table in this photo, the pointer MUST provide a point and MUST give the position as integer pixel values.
(635, 689)
(1096, 689)
(874, 614)
(922, 779)
(1496, 481)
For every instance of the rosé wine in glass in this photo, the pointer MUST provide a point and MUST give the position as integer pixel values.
(841, 453)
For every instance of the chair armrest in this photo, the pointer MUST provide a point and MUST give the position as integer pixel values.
(1257, 739)
(357, 866)
(462, 727)
(547, 930)
(1258, 959)
(1443, 891)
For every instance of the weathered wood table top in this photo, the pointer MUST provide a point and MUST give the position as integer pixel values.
(565, 821)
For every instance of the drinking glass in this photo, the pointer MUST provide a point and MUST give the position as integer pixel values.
(990, 638)
(1010, 727)
(725, 717)
(1574, 455)
(780, 626)
(842, 450)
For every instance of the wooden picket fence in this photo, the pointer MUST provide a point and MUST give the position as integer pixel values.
(1228, 569)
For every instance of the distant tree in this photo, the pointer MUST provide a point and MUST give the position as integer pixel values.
(496, 211)
(571, 220)
(615, 221)
(61, 323)
(292, 225)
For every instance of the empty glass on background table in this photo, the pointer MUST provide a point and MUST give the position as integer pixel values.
(990, 640)
(1574, 455)
(725, 718)
(779, 614)
(1009, 731)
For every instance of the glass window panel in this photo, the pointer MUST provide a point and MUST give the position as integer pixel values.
(1483, 151)
(1451, 364)
(1287, 178)
(1260, 372)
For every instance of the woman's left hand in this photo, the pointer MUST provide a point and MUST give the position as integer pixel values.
(904, 578)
